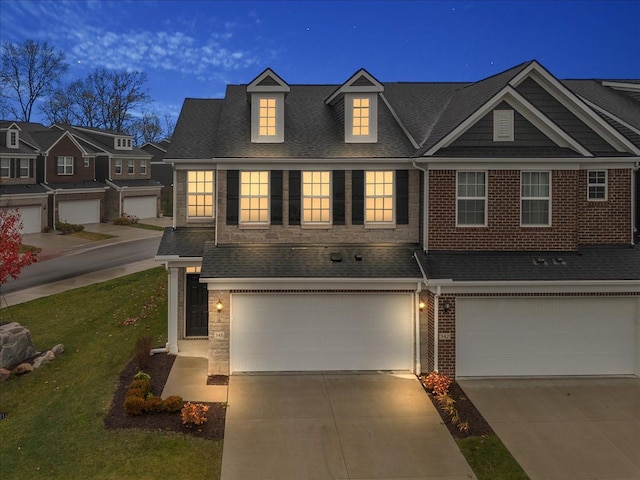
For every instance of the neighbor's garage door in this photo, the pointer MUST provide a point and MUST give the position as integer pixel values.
(31, 218)
(306, 332)
(141, 207)
(546, 336)
(79, 211)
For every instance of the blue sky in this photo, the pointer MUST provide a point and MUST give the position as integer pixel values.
(193, 48)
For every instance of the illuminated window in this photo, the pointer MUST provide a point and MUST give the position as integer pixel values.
(535, 198)
(64, 165)
(597, 185)
(379, 197)
(267, 127)
(194, 269)
(200, 194)
(316, 197)
(472, 198)
(360, 117)
(254, 197)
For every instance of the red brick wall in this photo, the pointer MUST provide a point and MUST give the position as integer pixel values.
(572, 222)
(447, 326)
(66, 147)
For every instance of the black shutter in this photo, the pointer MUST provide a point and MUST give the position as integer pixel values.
(357, 197)
(402, 197)
(12, 168)
(31, 168)
(294, 197)
(276, 197)
(233, 184)
(338, 197)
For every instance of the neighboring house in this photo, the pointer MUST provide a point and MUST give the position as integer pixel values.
(161, 172)
(126, 169)
(478, 229)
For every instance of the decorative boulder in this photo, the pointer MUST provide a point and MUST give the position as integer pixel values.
(15, 344)
(43, 359)
(58, 349)
(23, 368)
(4, 374)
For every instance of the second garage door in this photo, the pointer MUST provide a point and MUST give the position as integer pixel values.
(546, 336)
(141, 207)
(79, 212)
(313, 332)
(31, 218)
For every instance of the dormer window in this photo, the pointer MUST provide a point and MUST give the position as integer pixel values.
(360, 117)
(267, 119)
(266, 95)
(503, 125)
(12, 139)
(122, 143)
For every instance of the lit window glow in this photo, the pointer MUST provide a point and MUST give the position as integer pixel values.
(267, 126)
(200, 194)
(316, 197)
(254, 197)
(379, 197)
(360, 117)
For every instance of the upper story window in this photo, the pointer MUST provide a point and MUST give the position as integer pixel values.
(118, 166)
(535, 199)
(267, 121)
(200, 194)
(5, 167)
(361, 114)
(471, 199)
(23, 171)
(316, 198)
(267, 94)
(254, 198)
(379, 197)
(64, 165)
(131, 166)
(122, 143)
(12, 139)
(143, 167)
(503, 126)
(361, 117)
(597, 185)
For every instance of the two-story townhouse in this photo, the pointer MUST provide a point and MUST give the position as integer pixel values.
(479, 229)
(19, 188)
(161, 172)
(126, 170)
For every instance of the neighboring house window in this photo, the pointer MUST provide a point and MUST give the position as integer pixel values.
(131, 166)
(143, 167)
(535, 198)
(5, 167)
(64, 165)
(193, 269)
(378, 204)
(471, 199)
(128, 143)
(86, 163)
(119, 142)
(267, 117)
(316, 197)
(597, 184)
(361, 117)
(254, 197)
(503, 125)
(24, 168)
(13, 139)
(118, 166)
(200, 194)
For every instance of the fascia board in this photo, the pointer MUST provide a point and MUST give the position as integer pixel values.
(529, 287)
(101, 151)
(282, 86)
(347, 86)
(71, 191)
(23, 196)
(178, 261)
(184, 163)
(73, 140)
(625, 86)
(311, 163)
(306, 284)
(444, 163)
(19, 155)
(609, 114)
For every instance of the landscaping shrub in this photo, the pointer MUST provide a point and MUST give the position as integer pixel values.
(66, 228)
(154, 405)
(142, 352)
(437, 383)
(134, 405)
(173, 403)
(125, 219)
(194, 414)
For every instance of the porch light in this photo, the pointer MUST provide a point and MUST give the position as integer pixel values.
(219, 306)
(446, 306)
(421, 304)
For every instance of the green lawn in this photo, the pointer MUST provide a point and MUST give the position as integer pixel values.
(55, 424)
(91, 236)
(490, 459)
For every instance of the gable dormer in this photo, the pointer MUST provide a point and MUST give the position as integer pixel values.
(122, 142)
(13, 136)
(357, 102)
(267, 94)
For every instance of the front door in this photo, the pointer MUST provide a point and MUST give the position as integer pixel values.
(197, 307)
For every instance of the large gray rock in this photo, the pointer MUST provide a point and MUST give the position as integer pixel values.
(15, 344)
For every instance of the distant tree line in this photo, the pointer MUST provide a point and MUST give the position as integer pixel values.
(108, 99)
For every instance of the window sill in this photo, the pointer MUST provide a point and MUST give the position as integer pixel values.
(263, 226)
(311, 226)
(380, 226)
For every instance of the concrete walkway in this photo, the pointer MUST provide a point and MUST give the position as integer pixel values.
(332, 426)
(569, 429)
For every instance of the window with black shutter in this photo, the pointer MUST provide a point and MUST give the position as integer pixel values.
(402, 197)
(294, 197)
(276, 197)
(357, 197)
(338, 197)
(233, 183)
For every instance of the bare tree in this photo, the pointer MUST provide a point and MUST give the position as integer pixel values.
(30, 70)
(146, 129)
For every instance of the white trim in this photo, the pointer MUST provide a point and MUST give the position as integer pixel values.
(255, 87)
(397, 119)
(548, 198)
(372, 136)
(611, 115)
(316, 224)
(278, 97)
(347, 87)
(247, 223)
(75, 142)
(196, 218)
(503, 126)
(306, 284)
(382, 223)
(557, 287)
(624, 86)
(595, 185)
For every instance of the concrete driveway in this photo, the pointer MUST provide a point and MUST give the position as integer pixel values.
(326, 426)
(566, 429)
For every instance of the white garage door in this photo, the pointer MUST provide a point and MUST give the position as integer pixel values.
(546, 336)
(31, 218)
(312, 332)
(141, 207)
(79, 212)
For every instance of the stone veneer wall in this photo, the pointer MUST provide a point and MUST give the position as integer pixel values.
(219, 333)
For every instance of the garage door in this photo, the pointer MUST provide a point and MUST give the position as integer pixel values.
(79, 212)
(141, 207)
(31, 218)
(546, 336)
(311, 332)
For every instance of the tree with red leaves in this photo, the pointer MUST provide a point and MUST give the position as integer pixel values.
(11, 260)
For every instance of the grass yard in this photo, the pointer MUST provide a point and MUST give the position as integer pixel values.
(91, 236)
(490, 459)
(55, 425)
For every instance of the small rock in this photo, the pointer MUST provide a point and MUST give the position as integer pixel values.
(58, 349)
(4, 374)
(23, 368)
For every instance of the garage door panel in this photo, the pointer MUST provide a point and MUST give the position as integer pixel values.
(298, 332)
(31, 217)
(546, 336)
(79, 212)
(141, 207)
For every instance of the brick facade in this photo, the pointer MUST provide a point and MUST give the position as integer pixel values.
(65, 147)
(219, 333)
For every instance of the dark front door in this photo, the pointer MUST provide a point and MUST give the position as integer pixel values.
(197, 307)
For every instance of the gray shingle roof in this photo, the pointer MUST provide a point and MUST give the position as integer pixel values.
(22, 189)
(195, 129)
(184, 242)
(78, 186)
(588, 263)
(142, 182)
(310, 261)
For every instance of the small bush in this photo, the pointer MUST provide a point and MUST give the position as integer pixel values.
(134, 405)
(66, 228)
(125, 219)
(154, 405)
(142, 384)
(173, 403)
(437, 383)
(142, 352)
(137, 392)
(194, 414)
(142, 376)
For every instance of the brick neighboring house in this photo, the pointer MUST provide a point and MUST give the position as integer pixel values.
(161, 172)
(478, 229)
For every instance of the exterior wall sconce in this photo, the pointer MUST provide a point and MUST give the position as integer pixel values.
(446, 306)
(421, 304)
(219, 306)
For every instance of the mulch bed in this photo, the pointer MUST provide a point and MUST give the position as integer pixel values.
(467, 412)
(159, 368)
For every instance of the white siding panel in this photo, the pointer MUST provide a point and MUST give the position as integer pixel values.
(31, 218)
(79, 212)
(141, 207)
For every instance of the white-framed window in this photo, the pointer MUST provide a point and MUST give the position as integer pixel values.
(316, 198)
(361, 117)
(64, 165)
(597, 185)
(128, 143)
(361, 113)
(471, 199)
(119, 142)
(23, 171)
(503, 126)
(200, 194)
(267, 117)
(143, 167)
(12, 139)
(378, 197)
(5, 167)
(195, 269)
(535, 209)
(118, 166)
(131, 166)
(254, 198)
(86, 162)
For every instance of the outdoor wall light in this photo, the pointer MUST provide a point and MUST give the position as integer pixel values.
(446, 306)
(421, 304)
(219, 306)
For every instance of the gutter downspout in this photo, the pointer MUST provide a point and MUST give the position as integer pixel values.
(634, 227)
(175, 198)
(425, 213)
(435, 327)
(215, 209)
